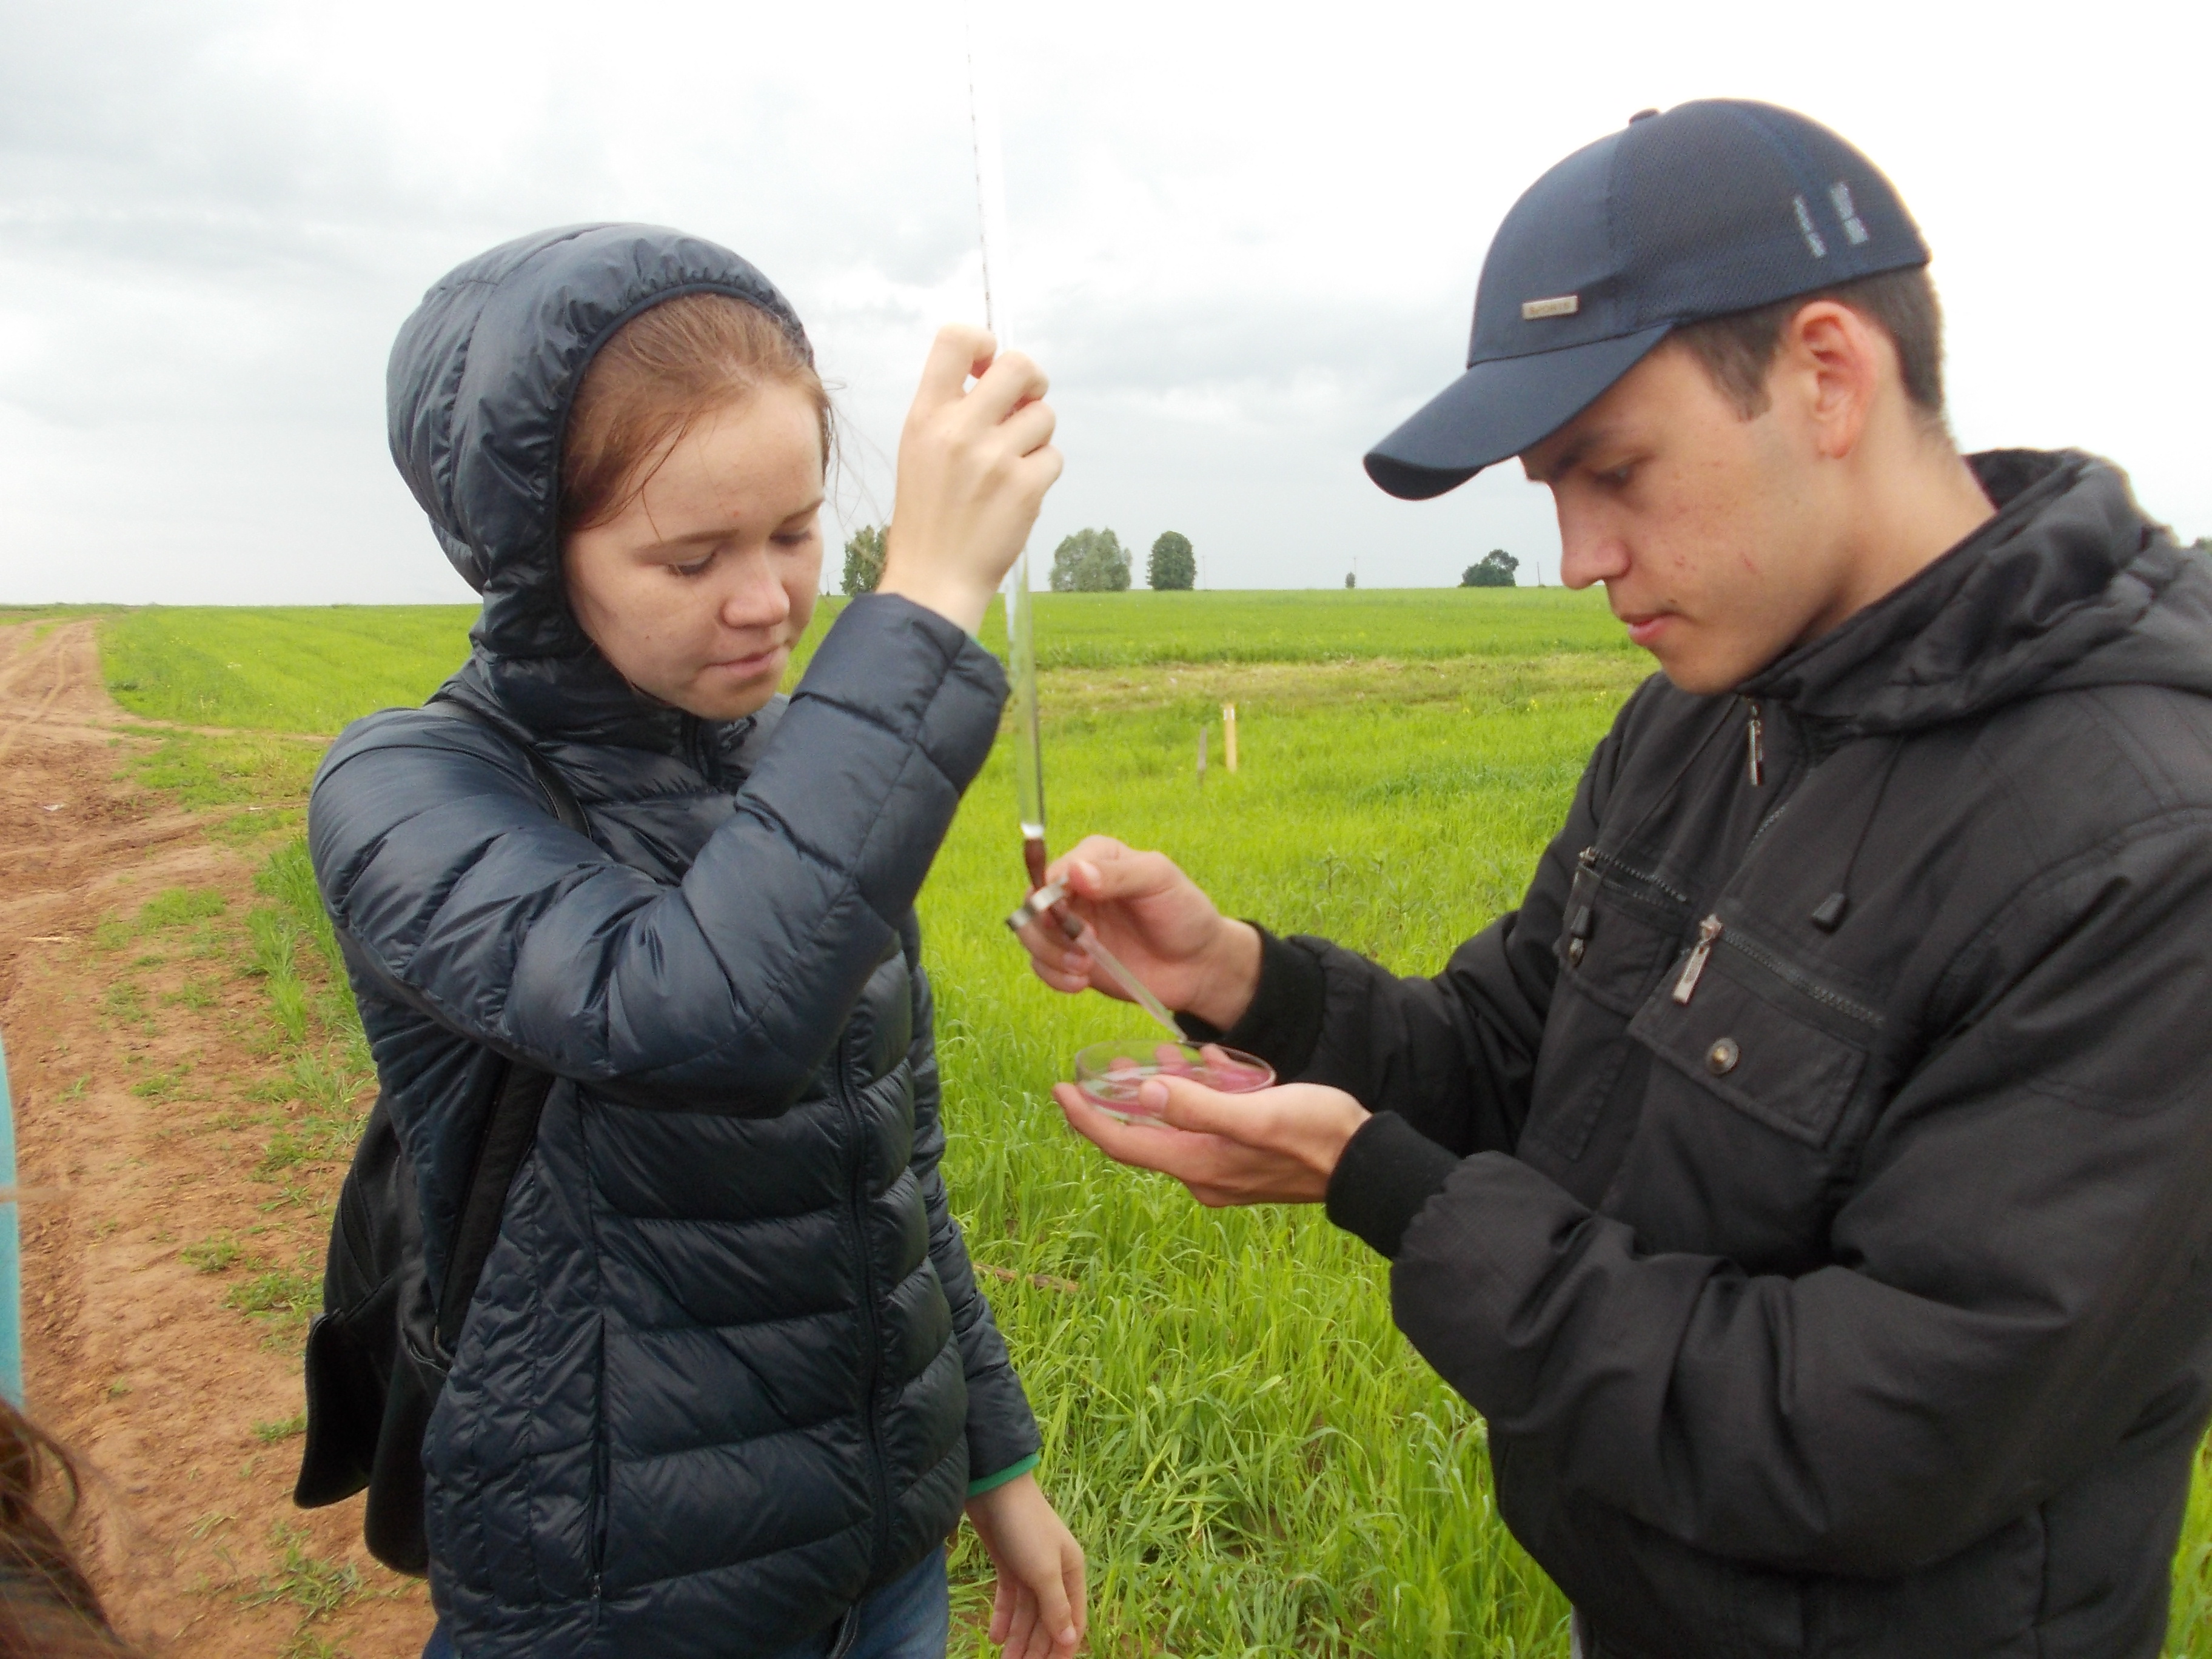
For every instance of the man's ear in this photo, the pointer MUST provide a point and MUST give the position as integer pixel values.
(1831, 362)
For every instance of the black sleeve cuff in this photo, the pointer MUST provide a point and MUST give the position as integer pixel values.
(1283, 1024)
(1385, 1172)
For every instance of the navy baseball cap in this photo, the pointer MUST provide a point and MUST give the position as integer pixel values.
(1716, 206)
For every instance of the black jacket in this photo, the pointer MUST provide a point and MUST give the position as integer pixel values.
(1842, 1288)
(727, 1369)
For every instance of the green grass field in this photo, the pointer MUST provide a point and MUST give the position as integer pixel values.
(318, 667)
(1117, 630)
(1256, 1462)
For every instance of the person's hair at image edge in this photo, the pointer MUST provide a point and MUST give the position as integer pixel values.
(1738, 349)
(48, 1607)
(666, 368)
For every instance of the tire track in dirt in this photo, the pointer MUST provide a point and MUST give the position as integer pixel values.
(134, 1062)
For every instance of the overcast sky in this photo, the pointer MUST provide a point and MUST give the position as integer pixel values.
(1245, 241)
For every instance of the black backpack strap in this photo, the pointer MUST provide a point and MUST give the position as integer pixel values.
(511, 1126)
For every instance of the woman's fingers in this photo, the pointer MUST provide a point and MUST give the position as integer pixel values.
(1053, 1621)
(1013, 379)
(1027, 431)
(959, 350)
(1043, 466)
(974, 465)
(1023, 1628)
(1078, 1594)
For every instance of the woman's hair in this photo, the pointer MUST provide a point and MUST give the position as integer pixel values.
(48, 1607)
(664, 369)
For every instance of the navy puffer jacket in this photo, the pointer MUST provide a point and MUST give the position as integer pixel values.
(727, 1369)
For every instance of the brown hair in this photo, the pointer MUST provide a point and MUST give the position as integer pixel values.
(48, 1607)
(1738, 349)
(663, 370)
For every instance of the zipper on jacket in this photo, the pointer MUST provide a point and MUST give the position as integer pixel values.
(692, 734)
(1709, 932)
(871, 1332)
(1591, 858)
(1765, 824)
(603, 1476)
(1797, 980)
(1754, 734)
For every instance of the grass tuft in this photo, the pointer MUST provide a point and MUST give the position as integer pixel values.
(181, 906)
(283, 1429)
(211, 1256)
(285, 1298)
(298, 1579)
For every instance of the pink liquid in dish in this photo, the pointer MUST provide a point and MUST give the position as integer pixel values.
(1110, 1075)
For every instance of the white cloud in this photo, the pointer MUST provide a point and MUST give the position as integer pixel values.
(1245, 242)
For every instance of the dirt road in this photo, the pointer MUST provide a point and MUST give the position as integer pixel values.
(142, 1064)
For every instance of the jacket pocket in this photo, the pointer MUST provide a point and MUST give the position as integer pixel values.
(1770, 1040)
(1615, 937)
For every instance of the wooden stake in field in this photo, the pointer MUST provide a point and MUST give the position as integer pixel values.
(1229, 737)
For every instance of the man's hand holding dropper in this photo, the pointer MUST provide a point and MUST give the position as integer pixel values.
(1278, 1146)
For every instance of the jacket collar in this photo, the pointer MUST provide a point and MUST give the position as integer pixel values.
(2068, 567)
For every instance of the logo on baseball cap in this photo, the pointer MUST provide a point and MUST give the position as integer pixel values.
(1713, 207)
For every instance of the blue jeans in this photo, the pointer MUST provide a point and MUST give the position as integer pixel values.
(909, 1618)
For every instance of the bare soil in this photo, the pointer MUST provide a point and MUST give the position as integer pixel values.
(142, 1063)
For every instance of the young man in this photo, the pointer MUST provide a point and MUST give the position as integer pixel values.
(1811, 1183)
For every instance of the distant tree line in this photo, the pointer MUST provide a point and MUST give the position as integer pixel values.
(1493, 569)
(1095, 562)
(1089, 562)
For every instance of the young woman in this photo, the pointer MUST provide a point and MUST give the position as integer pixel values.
(726, 1383)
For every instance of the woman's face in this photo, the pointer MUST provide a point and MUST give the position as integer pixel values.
(697, 590)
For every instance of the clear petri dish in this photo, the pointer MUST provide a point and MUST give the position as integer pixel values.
(1108, 1074)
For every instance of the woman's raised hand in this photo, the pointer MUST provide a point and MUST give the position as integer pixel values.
(973, 465)
(1161, 925)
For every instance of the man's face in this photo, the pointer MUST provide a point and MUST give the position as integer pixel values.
(1716, 536)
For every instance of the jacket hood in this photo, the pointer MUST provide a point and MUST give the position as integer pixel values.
(478, 397)
(2069, 586)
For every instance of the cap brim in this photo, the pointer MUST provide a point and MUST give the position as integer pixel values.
(1498, 408)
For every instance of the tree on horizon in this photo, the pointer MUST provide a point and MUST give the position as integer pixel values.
(864, 559)
(1173, 564)
(1090, 562)
(1493, 569)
